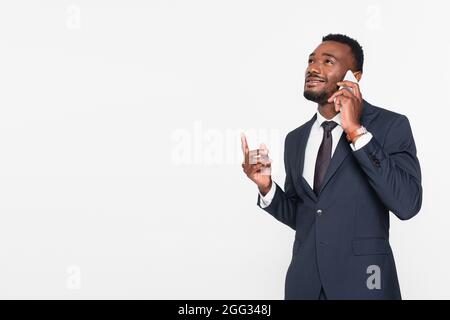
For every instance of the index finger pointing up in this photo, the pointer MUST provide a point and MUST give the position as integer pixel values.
(244, 146)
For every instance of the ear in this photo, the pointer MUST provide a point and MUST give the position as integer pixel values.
(358, 75)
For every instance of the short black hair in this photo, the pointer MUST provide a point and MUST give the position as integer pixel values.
(356, 48)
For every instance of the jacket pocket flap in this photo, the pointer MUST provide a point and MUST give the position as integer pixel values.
(364, 246)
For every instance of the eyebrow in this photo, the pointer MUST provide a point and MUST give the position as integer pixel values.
(324, 54)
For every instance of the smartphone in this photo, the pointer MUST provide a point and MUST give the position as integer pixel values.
(349, 76)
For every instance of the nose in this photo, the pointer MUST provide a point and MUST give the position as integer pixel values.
(313, 68)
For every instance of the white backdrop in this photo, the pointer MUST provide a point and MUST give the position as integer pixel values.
(120, 157)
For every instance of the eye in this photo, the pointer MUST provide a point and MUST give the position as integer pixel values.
(310, 61)
(329, 61)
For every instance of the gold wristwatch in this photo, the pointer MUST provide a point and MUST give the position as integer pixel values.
(358, 132)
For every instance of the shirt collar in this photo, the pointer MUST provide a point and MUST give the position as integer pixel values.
(321, 119)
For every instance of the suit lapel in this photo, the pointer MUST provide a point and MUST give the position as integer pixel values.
(304, 135)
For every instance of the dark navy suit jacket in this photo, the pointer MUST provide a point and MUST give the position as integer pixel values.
(342, 234)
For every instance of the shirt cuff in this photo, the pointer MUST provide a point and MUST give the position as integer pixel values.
(361, 141)
(267, 199)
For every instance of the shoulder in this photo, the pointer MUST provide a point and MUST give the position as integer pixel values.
(388, 126)
(384, 118)
(384, 114)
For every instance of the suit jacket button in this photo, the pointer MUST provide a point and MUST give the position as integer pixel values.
(319, 212)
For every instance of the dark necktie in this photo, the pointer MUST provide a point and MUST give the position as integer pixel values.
(324, 155)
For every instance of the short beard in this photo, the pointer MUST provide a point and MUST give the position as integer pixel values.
(320, 97)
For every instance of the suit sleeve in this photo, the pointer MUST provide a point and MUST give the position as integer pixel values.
(393, 169)
(283, 206)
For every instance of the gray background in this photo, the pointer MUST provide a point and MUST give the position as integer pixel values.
(120, 156)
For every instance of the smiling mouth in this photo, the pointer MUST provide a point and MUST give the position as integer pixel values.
(314, 81)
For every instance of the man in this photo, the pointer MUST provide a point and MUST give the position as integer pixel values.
(346, 168)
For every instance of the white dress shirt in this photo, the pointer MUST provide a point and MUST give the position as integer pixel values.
(312, 148)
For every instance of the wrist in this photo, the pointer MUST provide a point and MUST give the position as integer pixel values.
(264, 189)
(354, 133)
(352, 128)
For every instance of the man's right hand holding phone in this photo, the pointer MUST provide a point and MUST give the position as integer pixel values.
(257, 166)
